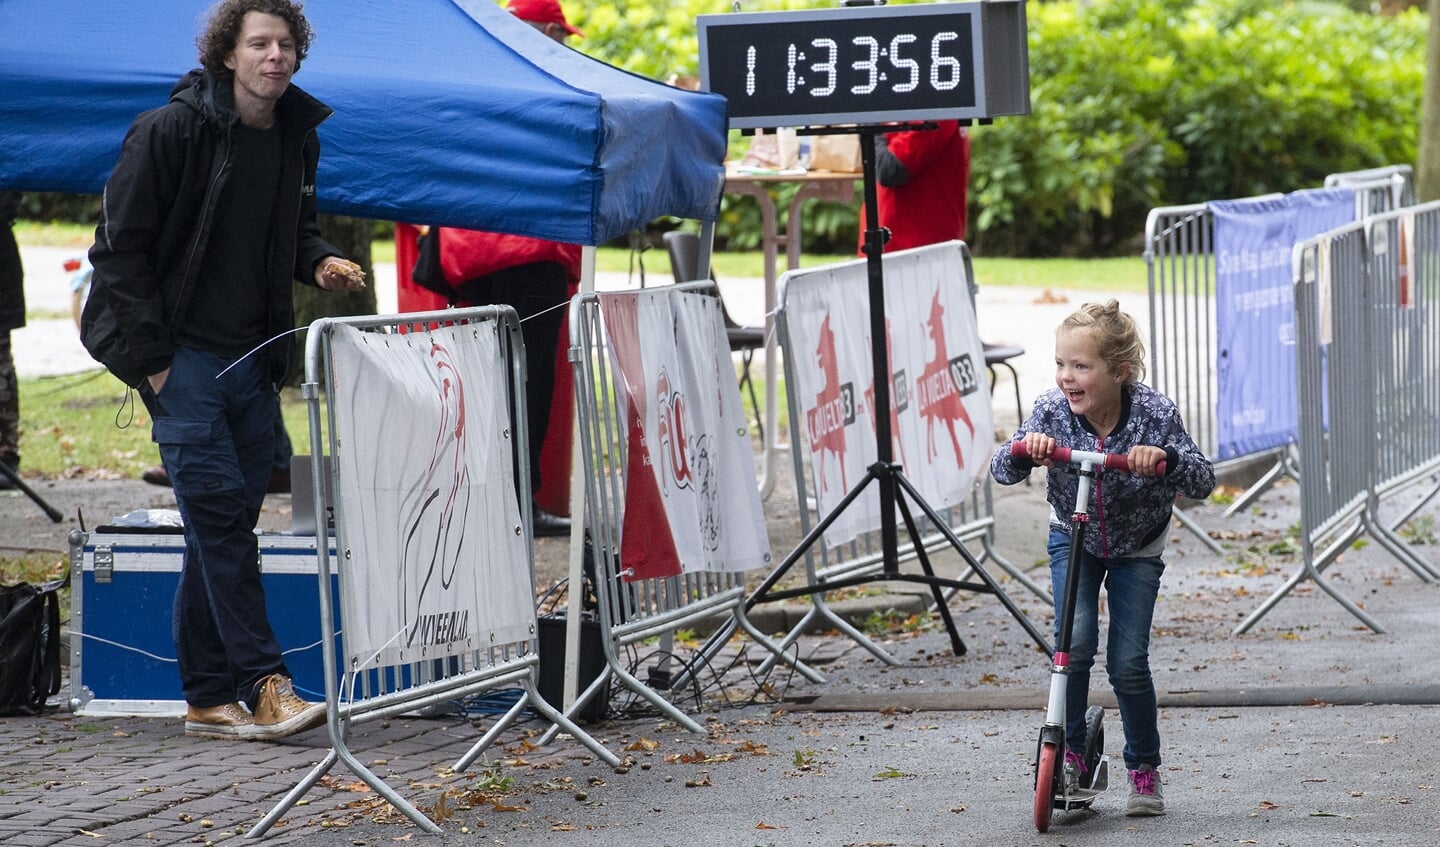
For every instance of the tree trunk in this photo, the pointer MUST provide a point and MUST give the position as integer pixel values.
(1427, 182)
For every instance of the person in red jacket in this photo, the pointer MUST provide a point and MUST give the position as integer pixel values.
(923, 179)
(532, 275)
(535, 277)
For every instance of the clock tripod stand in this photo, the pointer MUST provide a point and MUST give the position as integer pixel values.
(896, 492)
(13, 477)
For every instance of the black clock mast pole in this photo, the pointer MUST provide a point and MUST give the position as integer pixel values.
(885, 468)
(889, 476)
(1006, 85)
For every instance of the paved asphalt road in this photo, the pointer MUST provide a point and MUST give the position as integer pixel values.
(1309, 729)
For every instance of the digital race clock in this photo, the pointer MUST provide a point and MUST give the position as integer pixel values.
(869, 64)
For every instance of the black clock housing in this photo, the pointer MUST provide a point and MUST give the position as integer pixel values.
(868, 64)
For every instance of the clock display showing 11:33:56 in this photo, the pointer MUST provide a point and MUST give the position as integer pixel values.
(847, 65)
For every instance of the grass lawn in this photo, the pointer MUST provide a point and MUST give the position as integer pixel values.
(86, 424)
(1122, 276)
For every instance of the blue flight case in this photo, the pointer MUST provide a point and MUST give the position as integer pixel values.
(121, 644)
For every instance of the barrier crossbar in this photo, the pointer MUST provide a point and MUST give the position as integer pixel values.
(474, 648)
(632, 610)
(1377, 190)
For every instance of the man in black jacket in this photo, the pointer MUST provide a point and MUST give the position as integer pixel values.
(208, 217)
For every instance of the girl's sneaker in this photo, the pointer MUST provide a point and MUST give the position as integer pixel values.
(1146, 798)
(1077, 776)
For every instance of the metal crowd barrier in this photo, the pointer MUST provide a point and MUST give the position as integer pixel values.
(1332, 360)
(1377, 190)
(1180, 258)
(972, 521)
(1368, 383)
(634, 610)
(1404, 285)
(376, 688)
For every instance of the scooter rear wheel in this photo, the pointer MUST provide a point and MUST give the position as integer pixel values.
(1094, 738)
(1045, 784)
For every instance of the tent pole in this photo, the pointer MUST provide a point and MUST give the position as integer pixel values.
(576, 594)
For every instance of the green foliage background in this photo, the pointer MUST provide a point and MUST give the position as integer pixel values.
(1136, 104)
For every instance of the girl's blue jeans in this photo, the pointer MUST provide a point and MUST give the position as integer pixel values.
(1131, 586)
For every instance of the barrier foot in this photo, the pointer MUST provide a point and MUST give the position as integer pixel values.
(557, 720)
(1399, 549)
(1199, 532)
(293, 796)
(776, 650)
(1284, 466)
(1415, 507)
(378, 785)
(819, 609)
(591, 691)
(1310, 569)
(630, 681)
(562, 721)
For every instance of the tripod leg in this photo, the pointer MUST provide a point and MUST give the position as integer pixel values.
(759, 595)
(956, 643)
(50, 511)
(993, 586)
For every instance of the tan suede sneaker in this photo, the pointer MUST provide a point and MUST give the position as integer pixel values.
(227, 721)
(279, 711)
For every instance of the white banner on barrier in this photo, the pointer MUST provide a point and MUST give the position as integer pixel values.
(433, 562)
(940, 403)
(691, 499)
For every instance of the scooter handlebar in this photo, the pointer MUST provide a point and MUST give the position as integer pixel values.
(1114, 461)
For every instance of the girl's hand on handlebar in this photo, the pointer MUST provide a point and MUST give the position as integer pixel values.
(1039, 446)
(1146, 461)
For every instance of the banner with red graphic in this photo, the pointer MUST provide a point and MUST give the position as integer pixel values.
(940, 400)
(691, 498)
(433, 562)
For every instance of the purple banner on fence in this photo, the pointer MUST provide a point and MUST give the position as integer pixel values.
(1255, 312)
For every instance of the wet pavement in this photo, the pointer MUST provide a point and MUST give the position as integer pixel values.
(1308, 729)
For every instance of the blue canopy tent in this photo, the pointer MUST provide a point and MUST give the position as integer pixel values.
(446, 112)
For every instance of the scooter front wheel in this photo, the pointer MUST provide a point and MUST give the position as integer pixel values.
(1045, 784)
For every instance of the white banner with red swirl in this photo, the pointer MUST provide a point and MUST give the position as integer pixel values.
(433, 562)
(691, 498)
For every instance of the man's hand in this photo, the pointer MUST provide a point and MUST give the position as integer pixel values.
(337, 274)
(157, 381)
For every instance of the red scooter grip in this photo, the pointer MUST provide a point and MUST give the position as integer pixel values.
(1114, 461)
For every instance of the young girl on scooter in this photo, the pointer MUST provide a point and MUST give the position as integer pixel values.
(1100, 405)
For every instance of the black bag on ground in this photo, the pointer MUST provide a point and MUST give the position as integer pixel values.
(29, 646)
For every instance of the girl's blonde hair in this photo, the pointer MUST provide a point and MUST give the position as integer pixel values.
(1117, 341)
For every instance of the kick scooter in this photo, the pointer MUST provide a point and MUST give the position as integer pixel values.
(1054, 787)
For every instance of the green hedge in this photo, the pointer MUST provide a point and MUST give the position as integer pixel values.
(1136, 103)
(1140, 103)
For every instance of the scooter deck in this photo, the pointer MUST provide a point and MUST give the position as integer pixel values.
(1081, 798)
